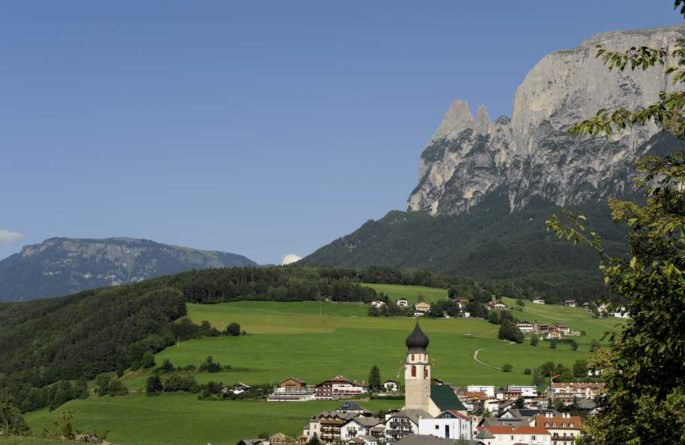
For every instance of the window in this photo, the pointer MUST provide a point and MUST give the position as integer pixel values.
(425, 373)
(412, 357)
(413, 371)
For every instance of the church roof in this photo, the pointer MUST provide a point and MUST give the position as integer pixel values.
(417, 340)
(445, 398)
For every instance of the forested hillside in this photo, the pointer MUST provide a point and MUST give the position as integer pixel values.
(488, 244)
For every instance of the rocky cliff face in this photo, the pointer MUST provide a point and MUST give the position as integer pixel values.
(531, 154)
(60, 266)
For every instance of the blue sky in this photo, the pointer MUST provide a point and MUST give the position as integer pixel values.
(257, 127)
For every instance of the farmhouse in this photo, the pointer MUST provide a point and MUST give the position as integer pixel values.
(402, 302)
(378, 303)
(422, 306)
(539, 301)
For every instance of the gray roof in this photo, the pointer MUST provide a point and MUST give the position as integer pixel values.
(367, 421)
(413, 414)
(351, 406)
(499, 421)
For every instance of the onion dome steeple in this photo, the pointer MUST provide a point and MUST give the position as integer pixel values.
(417, 340)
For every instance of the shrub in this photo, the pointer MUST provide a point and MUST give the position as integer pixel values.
(507, 367)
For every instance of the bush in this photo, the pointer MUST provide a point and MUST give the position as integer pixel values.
(233, 329)
(553, 343)
(507, 367)
(534, 340)
(153, 385)
(527, 371)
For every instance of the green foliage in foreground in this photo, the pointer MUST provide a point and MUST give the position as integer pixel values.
(645, 366)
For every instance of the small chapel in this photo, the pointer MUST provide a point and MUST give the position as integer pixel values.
(419, 391)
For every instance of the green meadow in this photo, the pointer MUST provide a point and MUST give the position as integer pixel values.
(411, 293)
(312, 341)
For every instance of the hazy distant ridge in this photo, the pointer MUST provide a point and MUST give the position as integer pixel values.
(61, 266)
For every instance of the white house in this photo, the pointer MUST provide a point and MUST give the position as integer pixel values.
(378, 303)
(526, 327)
(539, 301)
(402, 302)
(359, 426)
(487, 390)
(514, 435)
(450, 424)
(526, 391)
(404, 423)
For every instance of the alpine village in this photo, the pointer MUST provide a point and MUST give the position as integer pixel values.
(528, 288)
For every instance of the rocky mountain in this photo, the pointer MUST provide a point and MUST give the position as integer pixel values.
(532, 154)
(486, 187)
(61, 266)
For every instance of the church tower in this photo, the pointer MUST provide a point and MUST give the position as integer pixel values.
(417, 372)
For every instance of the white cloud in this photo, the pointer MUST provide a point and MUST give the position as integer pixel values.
(9, 237)
(290, 258)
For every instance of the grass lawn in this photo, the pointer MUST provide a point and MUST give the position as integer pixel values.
(182, 419)
(312, 341)
(411, 293)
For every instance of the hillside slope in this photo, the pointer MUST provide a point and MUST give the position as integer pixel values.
(61, 266)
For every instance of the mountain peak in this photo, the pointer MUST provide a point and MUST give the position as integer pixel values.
(533, 154)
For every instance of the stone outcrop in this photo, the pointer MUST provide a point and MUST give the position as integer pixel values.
(532, 153)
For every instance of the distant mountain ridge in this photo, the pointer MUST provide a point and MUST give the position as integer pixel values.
(61, 266)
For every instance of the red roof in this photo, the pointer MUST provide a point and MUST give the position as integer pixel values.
(517, 429)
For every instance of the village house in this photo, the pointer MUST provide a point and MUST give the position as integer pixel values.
(564, 429)
(338, 387)
(422, 306)
(526, 327)
(450, 424)
(488, 390)
(239, 388)
(404, 423)
(570, 303)
(539, 300)
(497, 306)
(292, 390)
(508, 435)
(378, 303)
(571, 391)
(358, 426)
(402, 302)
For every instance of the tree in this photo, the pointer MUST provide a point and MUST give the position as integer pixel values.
(520, 304)
(11, 421)
(153, 385)
(509, 331)
(148, 360)
(534, 340)
(314, 440)
(553, 343)
(507, 367)
(233, 329)
(580, 369)
(375, 378)
(574, 345)
(644, 367)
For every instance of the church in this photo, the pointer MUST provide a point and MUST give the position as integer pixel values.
(419, 391)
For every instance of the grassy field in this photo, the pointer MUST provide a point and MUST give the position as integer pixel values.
(312, 341)
(182, 419)
(411, 293)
